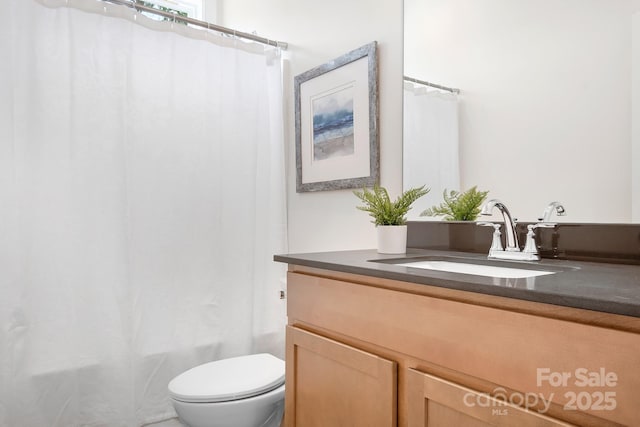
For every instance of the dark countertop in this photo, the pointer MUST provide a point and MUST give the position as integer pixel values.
(610, 288)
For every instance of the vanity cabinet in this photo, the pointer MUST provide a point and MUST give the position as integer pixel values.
(369, 351)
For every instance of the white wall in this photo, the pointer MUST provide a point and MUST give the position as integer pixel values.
(546, 95)
(318, 32)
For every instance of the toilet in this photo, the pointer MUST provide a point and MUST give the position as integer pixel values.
(245, 391)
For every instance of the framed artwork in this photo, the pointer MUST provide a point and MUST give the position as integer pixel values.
(336, 118)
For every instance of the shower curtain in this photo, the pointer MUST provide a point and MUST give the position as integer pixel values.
(141, 202)
(430, 144)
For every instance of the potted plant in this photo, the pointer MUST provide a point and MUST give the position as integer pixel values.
(459, 206)
(389, 217)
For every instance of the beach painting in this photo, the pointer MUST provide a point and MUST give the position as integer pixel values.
(336, 123)
(333, 124)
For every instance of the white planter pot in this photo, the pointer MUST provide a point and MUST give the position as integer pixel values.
(392, 239)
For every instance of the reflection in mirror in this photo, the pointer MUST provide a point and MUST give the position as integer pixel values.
(549, 107)
(430, 143)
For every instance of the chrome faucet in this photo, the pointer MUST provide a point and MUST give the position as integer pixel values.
(512, 250)
(546, 215)
(509, 223)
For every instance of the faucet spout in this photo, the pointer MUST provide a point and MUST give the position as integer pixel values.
(553, 206)
(509, 223)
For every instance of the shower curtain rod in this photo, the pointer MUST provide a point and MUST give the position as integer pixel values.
(422, 82)
(209, 26)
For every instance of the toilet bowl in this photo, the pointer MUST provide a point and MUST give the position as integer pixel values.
(245, 391)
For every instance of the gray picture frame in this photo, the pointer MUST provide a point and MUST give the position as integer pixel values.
(306, 124)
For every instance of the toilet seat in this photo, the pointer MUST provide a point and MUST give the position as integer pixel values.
(229, 379)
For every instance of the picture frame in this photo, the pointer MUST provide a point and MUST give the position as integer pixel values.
(336, 120)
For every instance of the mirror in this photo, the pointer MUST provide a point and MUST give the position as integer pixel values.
(549, 103)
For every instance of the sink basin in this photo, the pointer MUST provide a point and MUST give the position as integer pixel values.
(476, 269)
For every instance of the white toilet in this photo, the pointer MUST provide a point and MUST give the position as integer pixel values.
(245, 391)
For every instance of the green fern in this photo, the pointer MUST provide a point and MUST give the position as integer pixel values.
(383, 210)
(459, 206)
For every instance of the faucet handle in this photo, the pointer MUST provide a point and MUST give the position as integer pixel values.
(530, 245)
(496, 242)
(488, 224)
(531, 227)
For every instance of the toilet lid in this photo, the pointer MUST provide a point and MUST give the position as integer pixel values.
(229, 379)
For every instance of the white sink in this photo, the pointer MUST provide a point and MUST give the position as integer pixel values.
(476, 269)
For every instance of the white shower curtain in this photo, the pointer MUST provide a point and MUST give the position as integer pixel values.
(141, 202)
(430, 144)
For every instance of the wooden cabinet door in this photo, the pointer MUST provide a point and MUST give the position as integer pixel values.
(434, 402)
(332, 384)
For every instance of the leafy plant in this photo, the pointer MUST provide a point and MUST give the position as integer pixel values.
(383, 210)
(459, 206)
